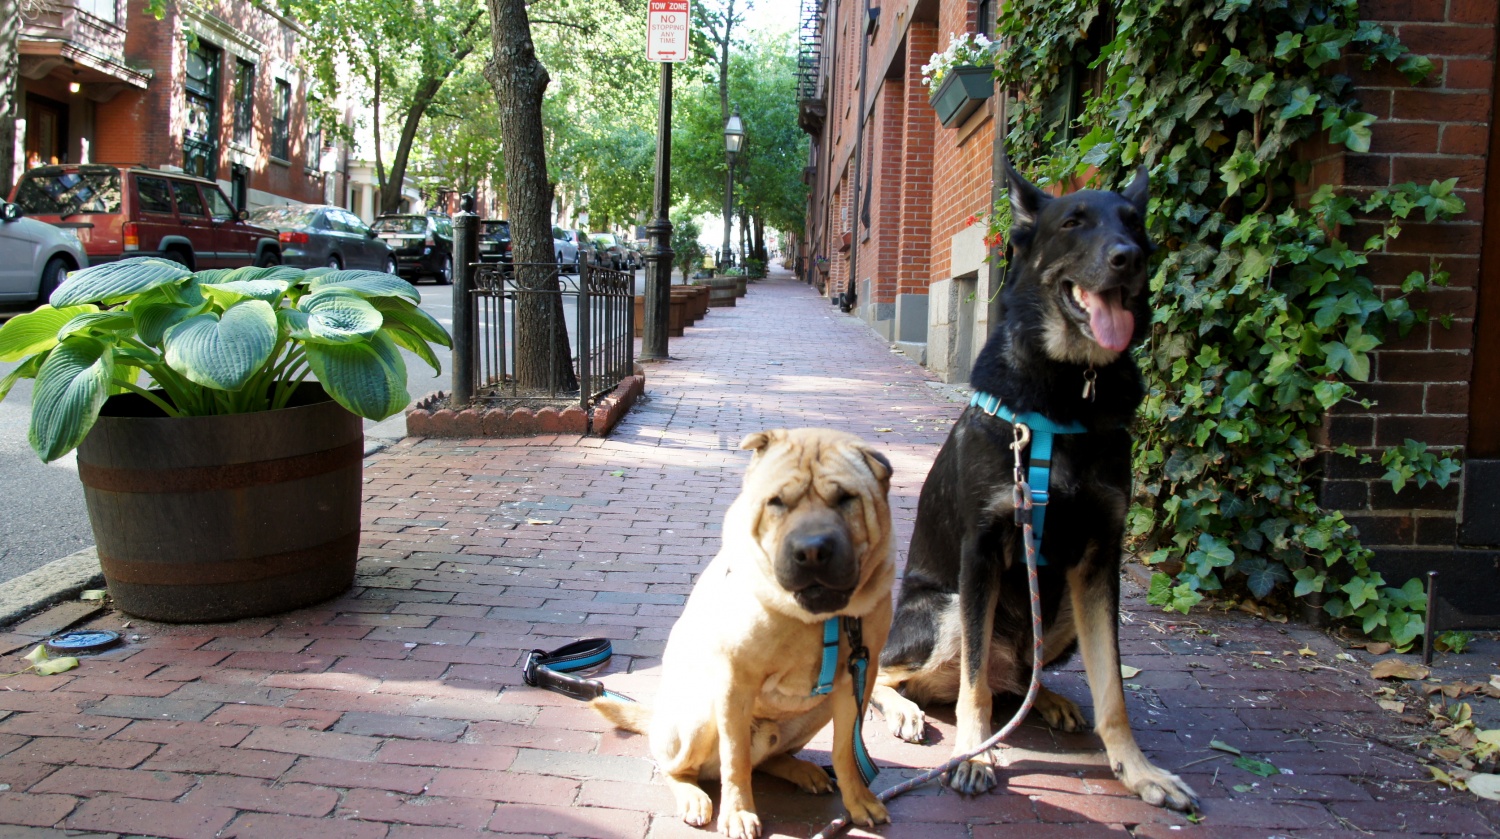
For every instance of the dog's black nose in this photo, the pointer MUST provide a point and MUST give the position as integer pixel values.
(1124, 256)
(814, 550)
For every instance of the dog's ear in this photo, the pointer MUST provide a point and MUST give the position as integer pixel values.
(758, 440)
(1026, 201)
(879, 465)
(1139, 191)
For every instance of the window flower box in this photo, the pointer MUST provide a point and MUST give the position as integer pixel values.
(961, 92)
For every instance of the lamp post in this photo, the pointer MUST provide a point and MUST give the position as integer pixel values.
(734, 140)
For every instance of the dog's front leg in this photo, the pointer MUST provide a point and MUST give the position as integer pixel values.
(978, 591)
(864, 808)
(737, 818)
(1095, 590)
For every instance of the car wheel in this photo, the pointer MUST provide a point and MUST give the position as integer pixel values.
(444, 273)
(267, 259)
(390, 266)
(333, 262)
(52, 277)
(180, 257)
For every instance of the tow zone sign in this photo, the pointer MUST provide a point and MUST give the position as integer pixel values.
(667, 30)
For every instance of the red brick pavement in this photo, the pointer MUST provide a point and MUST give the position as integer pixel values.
(396, 710)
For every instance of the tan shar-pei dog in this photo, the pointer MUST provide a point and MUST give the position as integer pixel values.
(808, 538)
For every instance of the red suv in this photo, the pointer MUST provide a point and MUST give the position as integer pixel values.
(121, 211)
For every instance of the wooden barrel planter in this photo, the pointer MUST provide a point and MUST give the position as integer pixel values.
(218, 518)
(741, 284)
(721, 291)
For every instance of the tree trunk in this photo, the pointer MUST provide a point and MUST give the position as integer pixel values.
(390, 200)
(759, 226)
(375, 127)
(519, 81)
(10, 81)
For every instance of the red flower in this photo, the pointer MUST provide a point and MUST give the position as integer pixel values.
(971, 221)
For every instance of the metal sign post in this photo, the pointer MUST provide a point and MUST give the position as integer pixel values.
(667, 28)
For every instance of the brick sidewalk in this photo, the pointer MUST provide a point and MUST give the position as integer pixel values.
(397, 711)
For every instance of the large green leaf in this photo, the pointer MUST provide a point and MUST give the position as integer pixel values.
(114, 320)
(414, 342)
(71, 387)
(25, 370)
(231, 292)
(152, 320)
(338, 316)
(223, 352)
(115, 281)
(367, 284)
(36, 331)
(368, 378)
(415, 319)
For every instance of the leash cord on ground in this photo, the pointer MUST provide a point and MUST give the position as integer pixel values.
(1023, 510)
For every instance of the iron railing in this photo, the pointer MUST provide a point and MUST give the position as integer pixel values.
(595, 341)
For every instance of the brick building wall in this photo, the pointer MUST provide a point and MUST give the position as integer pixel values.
(147, 127)
(1424, 384)
(919, 181)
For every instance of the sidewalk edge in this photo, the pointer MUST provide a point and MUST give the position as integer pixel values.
(57, 580)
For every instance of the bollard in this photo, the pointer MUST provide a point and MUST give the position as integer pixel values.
(465, 325)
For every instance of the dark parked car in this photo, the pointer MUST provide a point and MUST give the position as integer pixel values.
(120, 211)
(313, 236)
(494, 241)
(423, 245)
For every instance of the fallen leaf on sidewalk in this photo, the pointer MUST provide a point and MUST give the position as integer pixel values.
(1391, 705)
(1256, 766)
(93, 594)
(1345, 657)
(1495, 682)
(618, 473)
(1377, 648)
(1223, 747)
(1307, 652)
(1128, 672)
(1395, 668)
(1485, 786)
(540, 521)
(884, 430)
(1490, 735)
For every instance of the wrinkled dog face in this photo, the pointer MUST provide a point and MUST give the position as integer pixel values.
(822, 511)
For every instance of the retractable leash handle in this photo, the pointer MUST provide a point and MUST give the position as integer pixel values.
(550, 671)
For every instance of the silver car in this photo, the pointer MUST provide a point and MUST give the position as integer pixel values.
(35, 257)
(315, 235)
(565, 247)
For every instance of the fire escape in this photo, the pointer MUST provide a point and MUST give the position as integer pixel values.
(811, 107)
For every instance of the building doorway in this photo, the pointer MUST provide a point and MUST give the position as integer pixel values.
(200, 141)
(46, 131)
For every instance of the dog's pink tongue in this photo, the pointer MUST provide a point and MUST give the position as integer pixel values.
(1111, 322)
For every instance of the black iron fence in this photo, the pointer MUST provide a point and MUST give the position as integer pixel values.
(541, 334)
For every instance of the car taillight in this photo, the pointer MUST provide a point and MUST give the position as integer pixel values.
(292, 237)
(507, 247)
(132, 236)
(429, 243)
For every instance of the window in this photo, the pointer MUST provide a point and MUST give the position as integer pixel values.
(218, 205)
(281, 121)
(313, 156)
(87, 190)
(985, 17)
(200, 141)
(244, 102)
(189, 203)
(153, 194)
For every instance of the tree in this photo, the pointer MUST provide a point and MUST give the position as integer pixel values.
(399, 50)
(519, 80)
(10, 80)
(458, 144)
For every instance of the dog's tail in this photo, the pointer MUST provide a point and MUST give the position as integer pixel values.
(631, 716)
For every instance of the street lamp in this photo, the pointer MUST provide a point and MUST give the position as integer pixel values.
(734, 140)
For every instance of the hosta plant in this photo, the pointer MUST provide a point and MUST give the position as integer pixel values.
(224, 341)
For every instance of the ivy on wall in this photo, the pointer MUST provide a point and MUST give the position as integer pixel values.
(1265, 318)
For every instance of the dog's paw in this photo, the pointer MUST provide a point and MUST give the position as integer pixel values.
(907, 723)
(973, 776)
(864, 808)
(1060, 712)
(808, 776)
(1160, 788)
(739, 824)
(695, 807)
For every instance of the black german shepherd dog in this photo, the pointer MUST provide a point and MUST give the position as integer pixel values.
(1075, 302)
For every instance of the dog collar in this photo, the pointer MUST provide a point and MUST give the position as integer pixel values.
(1039, 467)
